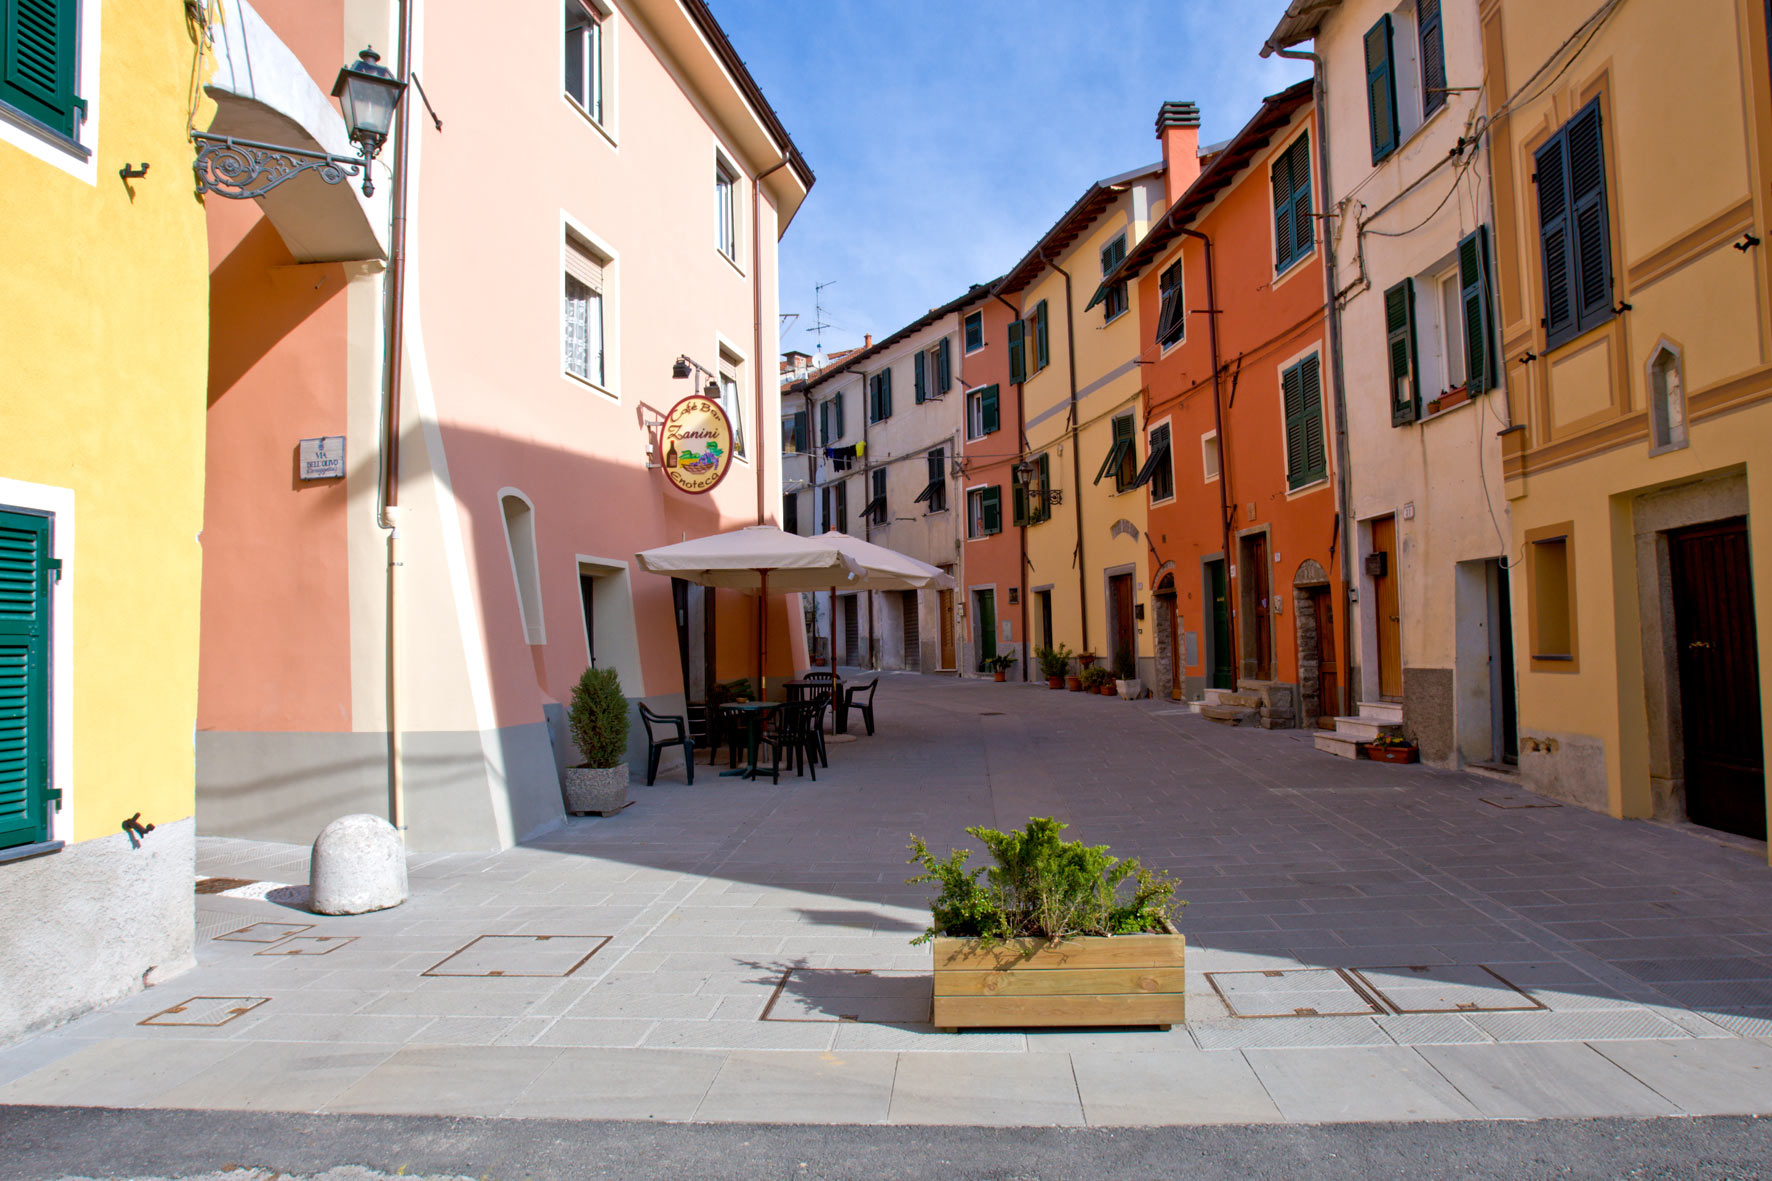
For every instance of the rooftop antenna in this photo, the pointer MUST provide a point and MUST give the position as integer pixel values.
(819, 323)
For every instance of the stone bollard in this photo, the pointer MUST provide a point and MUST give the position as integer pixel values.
(358, 865)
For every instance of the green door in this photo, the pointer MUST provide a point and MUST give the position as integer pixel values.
(987, 628)
(1219, 659)
(24, 679)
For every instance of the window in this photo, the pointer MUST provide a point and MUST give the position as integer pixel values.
(1667, 401)
(984, 511)
(790, 513)
(974, 332)
(875, 508)
(581, 333)
(525, 564)
(1033, 328)
(26, 572)
(1032, 505)
(1172, 316)
(584, 58)
(726, 209)
(1550, 576)
(1433, 56)
(1302, 393)
(1294, 232)
(1452, 340)
(1381, 90)
(1209, 456)
(1158, 474)
(1114, 302)
(935, 492)
(1122, 457)
(40, 74)
(932, 371)
(731, 401)
(830, 420)
(1042, 354)
(1405, 378)
(836, 506)
(1575, 243)
(982, 414)
(880, 396)
(793, 433)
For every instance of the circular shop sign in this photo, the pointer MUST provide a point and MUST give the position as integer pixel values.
(696, 442)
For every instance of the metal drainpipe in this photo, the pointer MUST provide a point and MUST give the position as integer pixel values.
(388, 486)
(1343, 496)
(867, 526)
(1070, 338)
(1224, 467)
(1021, 435)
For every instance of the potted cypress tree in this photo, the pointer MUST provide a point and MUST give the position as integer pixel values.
(598, 720)
(1054, 663)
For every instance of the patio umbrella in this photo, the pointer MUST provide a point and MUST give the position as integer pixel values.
(885, 569)
(759, 558)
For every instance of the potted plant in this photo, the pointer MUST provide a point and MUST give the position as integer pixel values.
(1388, 748)
(999, 665)
(1056, 932)
(1085, 659)
(598, 720)
(1054, 664)
(1126, 682)
(1095, 679)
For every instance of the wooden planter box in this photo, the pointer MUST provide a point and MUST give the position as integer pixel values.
(1392, 754)
(1091, 980)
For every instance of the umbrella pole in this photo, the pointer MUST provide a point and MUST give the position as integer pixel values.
(763, 636)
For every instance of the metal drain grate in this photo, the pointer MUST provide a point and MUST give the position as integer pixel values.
(841, 994)
(520, 955)
(308, 945)
(265, 932)
(210, 1011)
(1292, 992)
(1445, 988)
(1514, 801)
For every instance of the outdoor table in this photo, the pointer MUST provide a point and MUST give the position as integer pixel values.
(807, 690)
(753, 712)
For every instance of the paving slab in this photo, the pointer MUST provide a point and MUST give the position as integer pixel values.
(1547, 1080)
(984, 1089)
(1708, 1077)
(1141, 1089)
(1339, 1085)
(447, 1080)
(801, 1088)
(619, 1084)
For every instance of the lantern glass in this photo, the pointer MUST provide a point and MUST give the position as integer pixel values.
(367, 94)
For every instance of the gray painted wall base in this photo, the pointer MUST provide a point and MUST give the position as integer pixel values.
(84, 926)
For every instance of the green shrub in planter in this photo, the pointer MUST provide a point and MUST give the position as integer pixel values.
(1124, 667)
(1054, 662)
(598, 718)
(1096, 677)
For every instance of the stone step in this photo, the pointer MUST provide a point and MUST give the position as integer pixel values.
(1228, 715)
(1213, 695)
(1389, 713)
(1338, 744)
(1364, 729)
(1240, 700)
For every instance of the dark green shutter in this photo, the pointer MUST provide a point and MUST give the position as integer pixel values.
(1587, 205)
(886, 393)
(1018, 362)
(24, 679)
(839, 414)
(1381, 89)
(1304, 229)
(993, 509)
(1282, 181)
(1292, 395)
(1551, 174)
(824, 424)
(1042, 355)
(944, 366)
(1019, 508)
(1433, 56)
(991, 417)
(919, 379)
(1043, 474)
(37, 60)
(1479, 332)
(1316, 458)
(1405, 377)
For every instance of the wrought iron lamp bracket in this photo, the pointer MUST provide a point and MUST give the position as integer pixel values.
(241, 168)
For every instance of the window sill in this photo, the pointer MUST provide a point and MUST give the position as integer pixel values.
(729, 261)
(1448, 401)
(1155, 503)
(1173, 345)
(1290, 267)
(1110, 319)
(1310, 485)
(46, 133)
(970, 349)
(1552, 346)
(26, 852)
(584, 114)
(588, 384)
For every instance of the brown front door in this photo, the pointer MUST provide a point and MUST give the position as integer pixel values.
(946, 611)
(1390, 620)
(1322, 604)
(1719, 677)
(1261, 612)
(1120, 594)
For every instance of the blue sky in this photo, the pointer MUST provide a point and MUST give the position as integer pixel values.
(947, 135)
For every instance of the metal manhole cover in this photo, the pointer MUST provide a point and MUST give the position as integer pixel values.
(309, 945)
(1292, 992)
(841, 994)
(1514, 801)
(1445, 988)
(991, 714)
(265, 932)
(217, 885)
(209, 1011)
(521, 955)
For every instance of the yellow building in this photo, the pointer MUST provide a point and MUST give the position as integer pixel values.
(103, 298)
(1630, 192)
(1076, 358)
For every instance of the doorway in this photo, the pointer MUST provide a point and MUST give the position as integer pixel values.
(851, 632)
(945, 608)
(984, 626)
(1218, 634)
(1121, 627)
(1043, 610)
(1381, 567)
(1719, 673)
(1255, 607)
(1502, 690)
(1320, 603)
(913, 639)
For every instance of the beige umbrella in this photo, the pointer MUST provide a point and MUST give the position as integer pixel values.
(759, 558)
(886, 569)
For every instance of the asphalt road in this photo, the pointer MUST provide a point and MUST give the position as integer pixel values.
(62, 1142)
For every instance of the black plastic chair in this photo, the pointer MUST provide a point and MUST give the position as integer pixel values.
(795, 736)
(866, 707)
(655, 745)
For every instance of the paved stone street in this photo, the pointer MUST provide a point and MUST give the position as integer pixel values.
(740, 952)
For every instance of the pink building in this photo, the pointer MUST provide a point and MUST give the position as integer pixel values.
(402, 638)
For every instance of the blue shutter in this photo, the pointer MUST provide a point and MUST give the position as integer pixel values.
(1018, 362)
(1479, 318)
(38, 59)
(1550, 165)
(1590, 240)
(991, 418)
(1405, 377)
(1433, 56)
(1381, 89)
(24, 679)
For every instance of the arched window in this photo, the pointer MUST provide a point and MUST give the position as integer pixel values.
(525, 565)
(1667, 401)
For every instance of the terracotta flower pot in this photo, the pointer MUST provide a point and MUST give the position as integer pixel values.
(1074, 684)
(1106, 690)
(1055, 682)
(999, 675)
(1391, 754)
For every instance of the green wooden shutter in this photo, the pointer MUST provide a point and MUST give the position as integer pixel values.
(1042, 355)
(1433, 56)
(1381, 89)
(1405, 378)
(1473, 283)
(1550, 171)
(993, 509)
(24, 679)
(38, 39)
(1018, 362)
(838, 412)
(1126, 447)
(1282, 181)
(1019, 509)
(944, 366)
(1310, 380)
(919, 379)
(1292, 395)
(886, 393)
(988, 411)
(824, 424)
(1304, 227)
(1043, 474)
(1592, 242)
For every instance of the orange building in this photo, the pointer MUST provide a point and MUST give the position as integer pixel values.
(995, 442)
(1239, 425)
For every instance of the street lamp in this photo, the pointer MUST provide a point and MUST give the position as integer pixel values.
(237, 168)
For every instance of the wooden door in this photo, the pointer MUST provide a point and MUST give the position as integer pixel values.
(1223, 675)
(946, 610)
(1390, 620)
(1125, 637)
(1261, 614)
(984, 627)
(1719, 677)
(1322, 603)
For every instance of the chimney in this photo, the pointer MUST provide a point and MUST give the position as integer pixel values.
(867, 340)
(1178, 129)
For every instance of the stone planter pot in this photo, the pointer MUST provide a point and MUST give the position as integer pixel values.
(1129, 689)
(1074, 684)
(603, 790)
(1090, 980)
(1055, 682)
